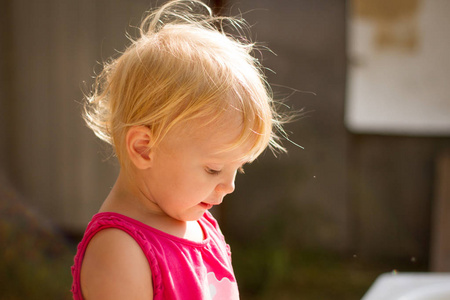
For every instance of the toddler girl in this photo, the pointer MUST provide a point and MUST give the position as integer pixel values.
(185, 107)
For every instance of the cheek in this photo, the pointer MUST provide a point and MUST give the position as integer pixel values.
(196, 185)
(180, 180)
(180, 175)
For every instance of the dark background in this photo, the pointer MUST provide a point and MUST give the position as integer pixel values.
(314, 223)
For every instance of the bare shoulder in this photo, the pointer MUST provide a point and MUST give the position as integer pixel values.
(115, 267)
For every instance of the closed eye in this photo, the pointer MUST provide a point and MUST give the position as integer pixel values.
(212, 171)
(217, 172)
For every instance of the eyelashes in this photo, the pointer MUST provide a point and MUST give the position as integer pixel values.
(217, 172)
(212, 171)
(241, 170)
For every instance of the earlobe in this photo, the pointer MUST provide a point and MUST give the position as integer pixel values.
(138, 141)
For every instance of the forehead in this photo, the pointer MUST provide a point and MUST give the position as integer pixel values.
(212, 139)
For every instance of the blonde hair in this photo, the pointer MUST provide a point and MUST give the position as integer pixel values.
(182, 67)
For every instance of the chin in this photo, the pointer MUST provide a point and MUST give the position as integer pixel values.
(191, 217)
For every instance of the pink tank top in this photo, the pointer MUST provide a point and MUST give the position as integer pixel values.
(181, 269)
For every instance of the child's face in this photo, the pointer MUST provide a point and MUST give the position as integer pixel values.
(187, 176)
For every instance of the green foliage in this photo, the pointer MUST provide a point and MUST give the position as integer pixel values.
(273, 267)
(35, 258)
(282, 272)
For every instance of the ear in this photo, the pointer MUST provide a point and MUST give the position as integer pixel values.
(138, 141)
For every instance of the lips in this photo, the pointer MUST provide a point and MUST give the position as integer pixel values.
(206, 205)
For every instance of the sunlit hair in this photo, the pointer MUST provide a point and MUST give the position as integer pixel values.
(184, 66)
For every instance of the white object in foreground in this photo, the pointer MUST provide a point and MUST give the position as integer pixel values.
(410, 286)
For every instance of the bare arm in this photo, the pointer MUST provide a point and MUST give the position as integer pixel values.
(114, 267)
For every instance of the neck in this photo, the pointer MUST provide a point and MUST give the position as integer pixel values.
(128, 197)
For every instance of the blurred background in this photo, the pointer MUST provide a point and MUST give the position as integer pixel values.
(367, 195)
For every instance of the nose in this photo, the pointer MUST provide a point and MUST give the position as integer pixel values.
(226, 186)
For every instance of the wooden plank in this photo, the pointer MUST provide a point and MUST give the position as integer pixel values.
(440, 235)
